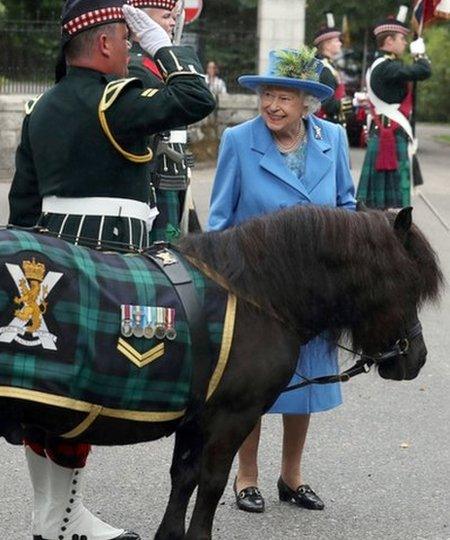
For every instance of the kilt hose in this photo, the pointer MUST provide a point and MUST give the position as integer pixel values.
(385, 189)
(89, 330)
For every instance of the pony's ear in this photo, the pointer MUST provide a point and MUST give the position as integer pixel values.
(361, 207)
(403, 221)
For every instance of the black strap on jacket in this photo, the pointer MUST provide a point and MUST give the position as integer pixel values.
(169, 262)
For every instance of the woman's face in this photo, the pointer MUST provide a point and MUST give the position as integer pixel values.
(211, 69)
(281, 108)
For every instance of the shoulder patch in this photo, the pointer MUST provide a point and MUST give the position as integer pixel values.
(29, 105)
(113, 90)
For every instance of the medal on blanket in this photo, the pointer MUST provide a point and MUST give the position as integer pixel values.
(160, 328)
(126, 323)
(147, 322)
(149, 330)
(138, 327)
(171, 333)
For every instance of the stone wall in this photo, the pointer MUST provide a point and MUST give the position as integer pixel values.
(12, 110)
(204, 137)
(232, 109)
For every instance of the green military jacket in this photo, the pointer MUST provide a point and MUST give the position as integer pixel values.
(389, 80)
(88, 135)
(167, 174)
(331, 106)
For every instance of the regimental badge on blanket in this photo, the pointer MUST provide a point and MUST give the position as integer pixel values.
(148, 322)
(28, 327)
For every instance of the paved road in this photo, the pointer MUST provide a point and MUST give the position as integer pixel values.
(374, 488)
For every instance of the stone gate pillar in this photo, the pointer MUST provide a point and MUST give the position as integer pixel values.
(281, 24)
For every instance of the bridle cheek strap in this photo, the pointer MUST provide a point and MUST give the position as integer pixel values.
(364, 364)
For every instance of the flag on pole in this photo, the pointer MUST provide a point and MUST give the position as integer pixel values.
(427, 11)
(442, 10)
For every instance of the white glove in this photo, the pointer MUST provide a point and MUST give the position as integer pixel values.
(417, 46)
(150, 34)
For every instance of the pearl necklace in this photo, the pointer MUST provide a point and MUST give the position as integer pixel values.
(290, 147)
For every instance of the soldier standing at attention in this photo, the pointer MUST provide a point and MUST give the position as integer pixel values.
(328, 42)
(170, 172)
(385, 180)
(82, 173)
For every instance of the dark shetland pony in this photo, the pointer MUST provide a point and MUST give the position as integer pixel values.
(296, 273)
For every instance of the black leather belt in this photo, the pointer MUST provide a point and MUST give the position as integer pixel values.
(170, 263)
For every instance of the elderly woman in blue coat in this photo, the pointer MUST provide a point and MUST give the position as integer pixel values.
(285, 156)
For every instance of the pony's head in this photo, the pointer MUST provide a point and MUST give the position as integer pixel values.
(409, 353)
(364, 274)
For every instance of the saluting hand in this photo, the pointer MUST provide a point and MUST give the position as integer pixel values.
(150, 34)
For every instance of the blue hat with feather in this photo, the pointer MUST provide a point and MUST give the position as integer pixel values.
(291, 68)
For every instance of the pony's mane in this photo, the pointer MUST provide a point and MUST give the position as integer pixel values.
(320, 268)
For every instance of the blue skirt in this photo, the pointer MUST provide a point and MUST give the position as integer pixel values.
(317, 358)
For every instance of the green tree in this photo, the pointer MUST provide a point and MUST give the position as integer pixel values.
(433, 104)
(32, 10)
(361, 16)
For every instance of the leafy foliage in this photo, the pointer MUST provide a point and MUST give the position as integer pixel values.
(433, 103)
(298, 64)
(362, 16)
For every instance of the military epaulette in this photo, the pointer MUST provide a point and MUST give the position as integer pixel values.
(29, 105)
(110, 94)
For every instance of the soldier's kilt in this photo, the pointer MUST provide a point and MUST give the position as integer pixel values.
(166, 225)
(385, 189)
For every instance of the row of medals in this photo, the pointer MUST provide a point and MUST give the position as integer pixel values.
(158, 331)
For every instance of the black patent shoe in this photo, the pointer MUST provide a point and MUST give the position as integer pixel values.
(249, 499)
(303, 496)
(127, 535)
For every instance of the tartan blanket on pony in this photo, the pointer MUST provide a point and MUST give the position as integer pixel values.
(79, 327)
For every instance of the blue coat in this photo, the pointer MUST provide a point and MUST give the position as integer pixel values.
(252, 179)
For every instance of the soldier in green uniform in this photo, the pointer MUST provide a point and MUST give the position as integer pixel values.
(328, 42)
(82, 173)
(385, 180)
(170, 172)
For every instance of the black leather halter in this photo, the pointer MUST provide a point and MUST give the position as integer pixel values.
(366, 361)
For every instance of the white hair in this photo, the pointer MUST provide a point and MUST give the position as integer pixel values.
(311, 103)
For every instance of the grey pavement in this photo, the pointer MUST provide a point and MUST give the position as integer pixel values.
(381, 461)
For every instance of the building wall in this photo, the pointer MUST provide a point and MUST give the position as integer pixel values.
(12, 111)
(281, 24)
(204, 137)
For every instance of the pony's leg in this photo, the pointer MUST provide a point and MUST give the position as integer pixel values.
(184, 476)
(228, 431)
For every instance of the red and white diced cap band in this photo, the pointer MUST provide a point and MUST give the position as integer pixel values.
(93, 18)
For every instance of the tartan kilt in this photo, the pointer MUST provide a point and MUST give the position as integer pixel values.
(166, 226)
(385, 189)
